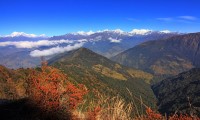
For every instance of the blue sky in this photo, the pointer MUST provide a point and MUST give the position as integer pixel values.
(56, 17)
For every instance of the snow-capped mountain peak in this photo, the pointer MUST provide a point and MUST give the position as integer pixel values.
(121, 32)
(140, 31)
(118, 31)
(17, 34)
(84, 33)
(165, 31)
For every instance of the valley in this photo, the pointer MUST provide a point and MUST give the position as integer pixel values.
(141, 74)
(99, 60)
(133, 75)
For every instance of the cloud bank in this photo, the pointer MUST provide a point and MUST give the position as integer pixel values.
(35, 44)
(55, 50)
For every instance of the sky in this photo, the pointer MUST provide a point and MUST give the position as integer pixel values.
(58, 17)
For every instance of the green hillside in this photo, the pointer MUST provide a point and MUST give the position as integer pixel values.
(101, 74)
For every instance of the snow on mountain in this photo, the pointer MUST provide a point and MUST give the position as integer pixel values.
(121, 32)
(17, 34)
(165, 31)
(118, 31)
(140, 31)
(84, 33)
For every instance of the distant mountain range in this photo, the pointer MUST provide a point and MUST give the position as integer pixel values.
(164, 57)
(111, 42)
(179, 94)
(107, 43)
(21, 36)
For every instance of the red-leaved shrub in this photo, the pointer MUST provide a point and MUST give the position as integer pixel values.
(51, 91)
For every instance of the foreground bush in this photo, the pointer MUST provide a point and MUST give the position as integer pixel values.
(50, 90)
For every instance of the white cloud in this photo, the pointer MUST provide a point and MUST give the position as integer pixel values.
(82, 40)
(34, 44)
(187, 17)
(114, 40)
(55, 50)
(16, 34)
(140, 31)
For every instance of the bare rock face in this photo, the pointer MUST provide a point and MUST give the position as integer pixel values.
(179, 94)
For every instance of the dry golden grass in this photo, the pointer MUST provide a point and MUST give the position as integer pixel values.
(140, 74)
(116, 109)
(106, 108)
(108, 72)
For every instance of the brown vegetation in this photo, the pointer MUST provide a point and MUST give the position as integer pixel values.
(50, 90)
(56, 97)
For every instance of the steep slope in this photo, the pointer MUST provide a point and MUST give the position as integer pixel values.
(180, 93)
(164, 57)
(101, 74)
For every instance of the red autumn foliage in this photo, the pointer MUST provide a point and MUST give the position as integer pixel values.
(151, 115)
(93, 114)
(75, 94)
(51, 91)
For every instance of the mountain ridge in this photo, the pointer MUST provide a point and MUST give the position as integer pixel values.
(96, 71)
(164, 57)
